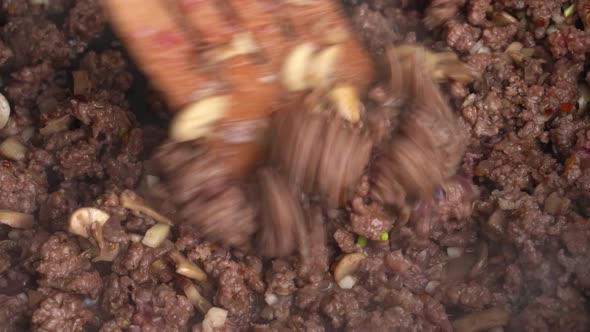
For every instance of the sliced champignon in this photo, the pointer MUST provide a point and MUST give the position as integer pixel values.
(324, 65)
(16, 219)
(345, 269)
(241, 43)
(12, 149)
(214, 319)
(193, 295)
(198, 119)
(347, 102)
(482, 320)
(294, 72)
(131, 202)
(84, 219)
(88, 221)
(57, 125)
(156, 235)
(186, 268)
(4, 111)
(108, 251)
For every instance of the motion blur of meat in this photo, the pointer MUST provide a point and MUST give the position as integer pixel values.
(321, 165)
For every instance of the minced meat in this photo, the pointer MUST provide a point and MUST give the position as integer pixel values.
(497, 228)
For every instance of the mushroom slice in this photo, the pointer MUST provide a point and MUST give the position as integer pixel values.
(198, 119)
(242, 43)
(108, 251)
(130, 202)
(186, 268)
(346, 267)
(323, 65)
(294, 73)
(214, 319)
(193, 295)
(156, 235)
(84, 219)
(4, 111)
(12, 149)
(16, 219)
(347, 102)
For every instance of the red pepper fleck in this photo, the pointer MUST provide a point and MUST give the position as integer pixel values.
(548, 112)
(566, 107)
(540, 23)
(6, 164)
(570, 163)
(587, 6)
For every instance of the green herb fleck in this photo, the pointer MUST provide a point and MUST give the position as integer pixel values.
(384, 236)
(122, 132)
(569, 11)
(361, 241)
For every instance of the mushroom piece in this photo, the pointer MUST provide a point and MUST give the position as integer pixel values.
(12, 149)
(83, 220)
(4, 111)
(241, 43)
(345, 269)
(347, 102)
(130, 201)
(294, 72)
(186, 268)
(323, 65)
(16, 219)
(193, 294)
(88, 221)
(156, 235)
(198, 119)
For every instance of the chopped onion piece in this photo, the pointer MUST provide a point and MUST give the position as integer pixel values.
(13, 149)
(16, 219)
(4, 111)
(131, 203)
(193, 295)
(57, 125)
(156, 235)
(186, 268)
(214, 319)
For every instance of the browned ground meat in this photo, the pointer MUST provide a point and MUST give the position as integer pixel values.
(499, 225)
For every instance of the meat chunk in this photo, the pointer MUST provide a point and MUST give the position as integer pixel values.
(61, 312)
